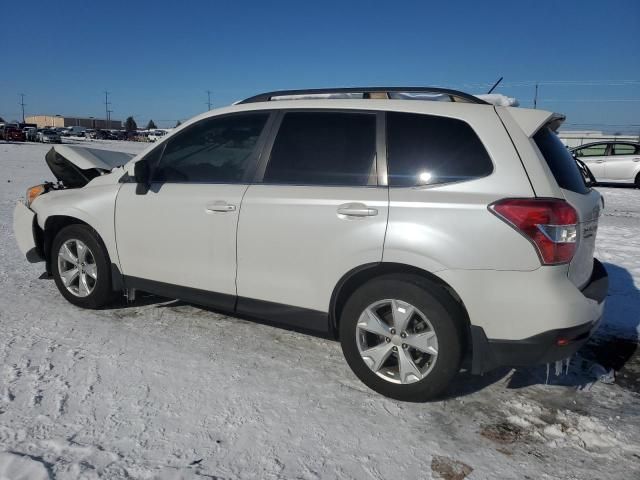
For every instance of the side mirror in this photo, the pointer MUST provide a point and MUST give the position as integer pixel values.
(142, 174)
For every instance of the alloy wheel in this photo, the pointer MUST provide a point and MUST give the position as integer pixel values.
(77, 267)
(397, 341)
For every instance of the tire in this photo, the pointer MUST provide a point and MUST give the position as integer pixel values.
(431, 302)
(637, 182)
(96, 291)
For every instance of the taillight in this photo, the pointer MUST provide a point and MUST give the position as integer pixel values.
(550, 224)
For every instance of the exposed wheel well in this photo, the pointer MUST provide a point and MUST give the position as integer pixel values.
(357, 277)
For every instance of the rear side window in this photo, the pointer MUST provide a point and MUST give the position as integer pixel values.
(560, 161)
(624, 149)
(426, 149)
(324, 148)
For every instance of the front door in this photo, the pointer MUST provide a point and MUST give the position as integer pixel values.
(182, 232)
(595, 157)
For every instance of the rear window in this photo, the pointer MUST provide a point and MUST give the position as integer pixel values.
(560, 161)
(427, 149)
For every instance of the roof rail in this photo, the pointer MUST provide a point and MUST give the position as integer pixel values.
(454, 95)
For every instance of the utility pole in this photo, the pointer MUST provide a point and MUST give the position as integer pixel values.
(106, 109)
(22, 104)
(209, 99)
(535, 97)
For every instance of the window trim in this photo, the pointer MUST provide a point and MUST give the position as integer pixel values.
(441, 184)
(380, 159)
(252, 161)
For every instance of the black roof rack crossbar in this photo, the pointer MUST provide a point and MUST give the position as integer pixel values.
(267, 96)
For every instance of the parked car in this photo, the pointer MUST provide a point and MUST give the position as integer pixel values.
(611, 162)
(155, 135)
(414, 232)
(48, 136)
(14, 134)
(3, 129)
(30, 133)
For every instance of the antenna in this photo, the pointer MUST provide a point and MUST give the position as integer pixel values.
(535, 97)
(209, 99)
(495, 85)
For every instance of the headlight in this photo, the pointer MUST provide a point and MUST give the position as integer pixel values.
(34, 192)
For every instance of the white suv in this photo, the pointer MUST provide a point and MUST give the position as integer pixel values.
(416, 232)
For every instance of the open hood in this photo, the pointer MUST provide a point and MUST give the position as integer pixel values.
(77, 166)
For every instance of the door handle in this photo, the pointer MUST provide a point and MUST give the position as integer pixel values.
(599, 161)
(221, 206)
(356, 210)
(636, 159)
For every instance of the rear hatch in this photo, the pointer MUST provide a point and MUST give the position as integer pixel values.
(586, 201)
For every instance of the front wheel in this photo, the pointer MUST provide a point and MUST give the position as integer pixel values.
(402, 336)
(637, 182)
(81, 267)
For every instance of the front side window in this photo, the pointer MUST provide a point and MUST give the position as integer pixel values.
(324, 148)
(427, 149)
(597, 150)
(624, 149)
(215, 150)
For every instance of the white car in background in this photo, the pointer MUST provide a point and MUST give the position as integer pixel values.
(48, 136)
(415, 232)
(611, 162)
(155, 135)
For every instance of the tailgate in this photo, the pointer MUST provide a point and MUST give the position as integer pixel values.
(587, 202)
(588, 207)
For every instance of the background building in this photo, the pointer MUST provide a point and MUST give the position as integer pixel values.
(62, 121)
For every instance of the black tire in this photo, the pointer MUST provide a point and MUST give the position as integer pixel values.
(440, 309)
(637, 182)
(102, 293)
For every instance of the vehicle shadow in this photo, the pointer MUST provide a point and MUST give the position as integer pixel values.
(614, 346)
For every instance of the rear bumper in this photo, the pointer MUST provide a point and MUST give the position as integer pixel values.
(24, 230)
(548, 346)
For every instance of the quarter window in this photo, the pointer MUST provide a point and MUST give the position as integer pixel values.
(426, 149)
(215, 150)
(324, 148)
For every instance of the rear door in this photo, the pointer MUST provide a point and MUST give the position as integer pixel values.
(586, 201)
(595, 157)
(623, 162)
(316, 211)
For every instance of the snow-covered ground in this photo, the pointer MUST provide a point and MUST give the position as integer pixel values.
(164, 389)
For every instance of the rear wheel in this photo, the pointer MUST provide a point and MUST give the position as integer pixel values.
(81, 267)
(401, 336)
(637, 182)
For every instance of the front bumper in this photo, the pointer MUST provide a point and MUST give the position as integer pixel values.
(24, 229)
(545, 347)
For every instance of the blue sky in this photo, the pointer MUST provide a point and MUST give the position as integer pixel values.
(158, 58)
